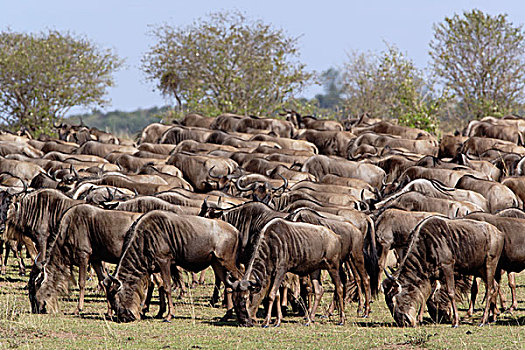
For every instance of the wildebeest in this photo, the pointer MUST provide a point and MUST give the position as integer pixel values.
(37, 216)
(392, 231)
(416, 201)
(320, 166)
(86, 235)
(498, 196)
(191, 242)
(439, 248)
(282, 247)
(513, 255)
(352, 251)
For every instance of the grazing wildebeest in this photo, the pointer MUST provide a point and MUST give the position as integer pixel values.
(439, 248)
(191, 242)
(86, 235)
(352, 251)
(513, 255)
(284, 246)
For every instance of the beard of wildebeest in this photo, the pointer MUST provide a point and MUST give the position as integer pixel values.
(46, 284)
(405, 304)
(126, 300)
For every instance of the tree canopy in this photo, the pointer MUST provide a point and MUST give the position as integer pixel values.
(225, 63)
(481, 59)
(44, 75)
(389, 85)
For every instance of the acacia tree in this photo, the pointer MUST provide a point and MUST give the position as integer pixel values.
(44, 75)
(225, 63)
(389, 85)
(481, 59)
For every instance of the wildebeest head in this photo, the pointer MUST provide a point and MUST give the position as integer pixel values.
(37, 276)
(113, 291)
(242, 289)
(211, 210)
(262, 191)
(401, 301)
(42, 295)
(224, 182)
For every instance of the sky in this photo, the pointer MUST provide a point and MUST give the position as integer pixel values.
(328, 30)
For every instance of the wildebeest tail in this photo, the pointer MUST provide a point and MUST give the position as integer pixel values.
(370, 255)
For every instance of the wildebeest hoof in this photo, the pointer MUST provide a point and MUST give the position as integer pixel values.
(166, 320)
(455, 326)
(264, 326)
(365, 316)
(341, 324)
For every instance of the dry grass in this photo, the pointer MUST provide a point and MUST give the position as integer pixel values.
(197, 326)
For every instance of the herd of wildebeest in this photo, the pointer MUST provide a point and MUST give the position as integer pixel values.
(269, 204)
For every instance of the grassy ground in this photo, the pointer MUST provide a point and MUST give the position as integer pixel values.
(197, 327)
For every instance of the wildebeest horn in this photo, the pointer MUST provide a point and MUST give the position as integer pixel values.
(213, 176)
(73, 170)
(228, 280)
(37, 263)
(388, 275)
(283, 186)
(244, 189)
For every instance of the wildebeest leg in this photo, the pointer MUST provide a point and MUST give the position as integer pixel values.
(17, 249)
(216, 290)
(448, 273)
(490, 290)
(279, 310)
(162, 302)
(149, 295)
(4, 249)
(165, 273)
(82, 271)
(346, 287)
(194, 280)
(101, 275)
(358, 283)
(284, 299)
(274, 291)
(512, 285)
(220, 275)
(315, 277)
(362, 278)
(202, 277)
(336, 280)
(473, 294)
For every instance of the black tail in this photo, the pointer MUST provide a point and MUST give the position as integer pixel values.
(371, 260)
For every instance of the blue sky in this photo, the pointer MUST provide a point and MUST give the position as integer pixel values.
(328, 29)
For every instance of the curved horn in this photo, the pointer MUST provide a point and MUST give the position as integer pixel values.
(73, 170)
(388, 275)
(212, 176)
(244, 189)
(284, 186)
(228, 279)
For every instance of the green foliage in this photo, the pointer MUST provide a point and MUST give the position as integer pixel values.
(389, 85)
(481, 59)
(44, 75)
(121, 123)
(225, 63)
